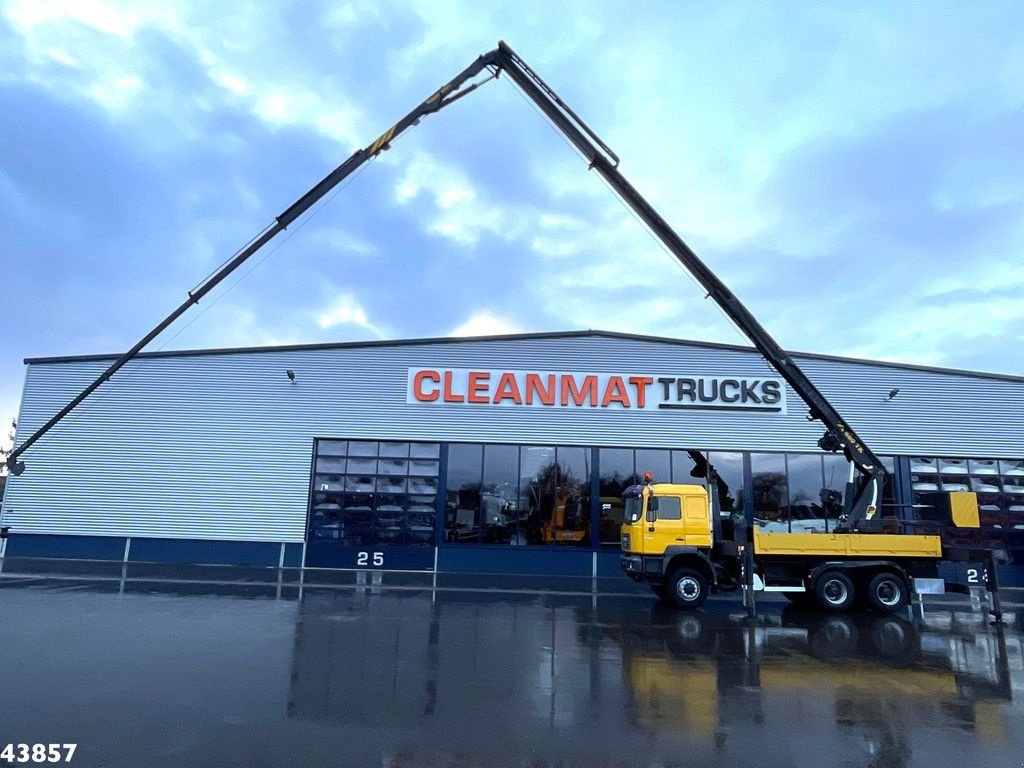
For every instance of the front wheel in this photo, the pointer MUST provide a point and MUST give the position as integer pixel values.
(834, 591)
(687, 588)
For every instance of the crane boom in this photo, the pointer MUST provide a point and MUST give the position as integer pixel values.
(863, 495)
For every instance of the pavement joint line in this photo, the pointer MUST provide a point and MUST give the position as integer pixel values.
(319, 569)
(28, 578)
(307, 585)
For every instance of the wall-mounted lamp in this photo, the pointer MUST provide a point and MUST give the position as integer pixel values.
(291, 375)
(892, 394)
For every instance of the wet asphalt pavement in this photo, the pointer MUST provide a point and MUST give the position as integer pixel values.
(184, 675)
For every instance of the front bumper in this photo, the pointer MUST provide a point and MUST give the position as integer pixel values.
(643, 567)
(632, 564)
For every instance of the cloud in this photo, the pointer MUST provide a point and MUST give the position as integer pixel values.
(852, 183)
(485, 323)
(346, 310)
(454, 209)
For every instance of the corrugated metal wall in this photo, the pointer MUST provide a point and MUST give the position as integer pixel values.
(219, 445)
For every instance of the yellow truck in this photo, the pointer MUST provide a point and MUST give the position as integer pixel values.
(675, 539)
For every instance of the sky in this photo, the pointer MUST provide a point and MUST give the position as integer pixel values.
(852, 171)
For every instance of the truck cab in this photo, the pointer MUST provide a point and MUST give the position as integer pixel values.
(668, 537)
(661, 515)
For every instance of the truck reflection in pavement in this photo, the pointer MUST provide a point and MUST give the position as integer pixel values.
(877, 678)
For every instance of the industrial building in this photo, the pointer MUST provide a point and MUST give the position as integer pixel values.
(500, 455)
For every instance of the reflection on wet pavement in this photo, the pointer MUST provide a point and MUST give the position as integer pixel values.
(386, 678)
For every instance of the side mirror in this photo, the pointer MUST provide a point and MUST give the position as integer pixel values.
(652, 508)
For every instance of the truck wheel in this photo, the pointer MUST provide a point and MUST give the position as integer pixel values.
(835, 591)
(687, 588)
(887, 592)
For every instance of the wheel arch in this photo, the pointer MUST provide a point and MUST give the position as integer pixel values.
(689, 557)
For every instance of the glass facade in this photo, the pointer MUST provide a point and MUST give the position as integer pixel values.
(372, 493)
(999, 484)
(367, 493)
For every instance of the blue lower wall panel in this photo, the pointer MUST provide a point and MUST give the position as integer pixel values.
(550, 560)
(67, 547)
(205, 552)
(292, 555)
(608, 563)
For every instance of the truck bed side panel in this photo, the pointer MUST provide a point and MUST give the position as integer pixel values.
(847, 544)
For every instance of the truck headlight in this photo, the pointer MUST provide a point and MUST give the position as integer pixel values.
(625, 542)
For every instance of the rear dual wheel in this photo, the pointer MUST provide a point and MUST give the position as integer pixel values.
(885, 591)
(834, 591)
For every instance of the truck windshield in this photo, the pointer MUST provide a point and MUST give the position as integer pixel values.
(634, 508)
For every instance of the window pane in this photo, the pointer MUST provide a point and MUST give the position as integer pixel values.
(993, 507)
(669, 509)
(328, 483)
(330, 465)
(359, 483)
(888, 506)
(391, 484)
(805, 485)
(462, 505)
(362, 467)
(657, 462)
(685, 469)
(325, 522)
(953, 466)
(538, 478)
(616, 475)
(390, 523)
(569, 522)
(1012, 498)
(923, 466)
(1012, 468)
(422, 485)
(420, 525)
(984, 467)
(424, 450)
(837, 472)
(500, 494)
(362, 448)
(399, 450)
(768, 475)
(729, 467)
(332, 447)
(357, 519)
(393, 467)
(424, 468)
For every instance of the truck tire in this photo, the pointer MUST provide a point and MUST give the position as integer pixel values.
(887, 592)
(834, 591)
(687, 588)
